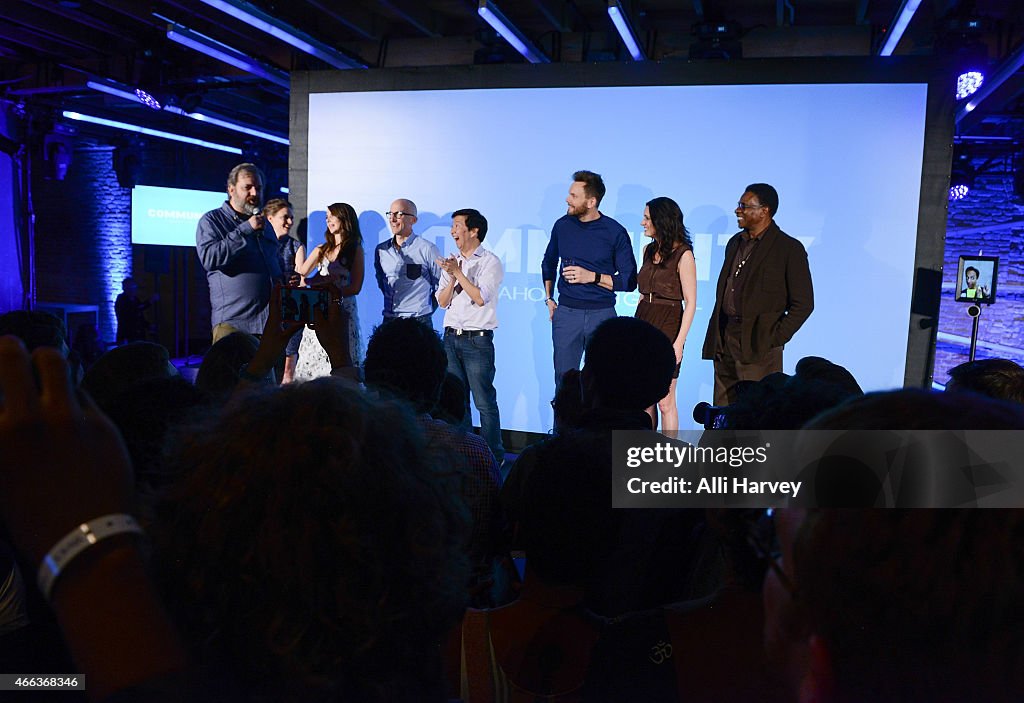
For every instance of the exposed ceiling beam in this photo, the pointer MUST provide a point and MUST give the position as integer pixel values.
(44, 24)
(356, 19)
(22, 36)
(553, 13)
(414, 14)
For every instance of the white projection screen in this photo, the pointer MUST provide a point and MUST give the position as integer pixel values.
(854, 148)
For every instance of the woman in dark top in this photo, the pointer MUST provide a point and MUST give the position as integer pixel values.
(668, 286)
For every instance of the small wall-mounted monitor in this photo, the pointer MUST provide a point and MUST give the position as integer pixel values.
(976, 279)
(169, 216)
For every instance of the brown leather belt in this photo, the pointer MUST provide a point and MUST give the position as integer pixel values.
(655, 300)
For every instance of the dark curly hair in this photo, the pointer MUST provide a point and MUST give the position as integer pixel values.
(315, 547)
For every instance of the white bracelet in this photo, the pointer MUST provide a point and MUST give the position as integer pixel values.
(77, 541)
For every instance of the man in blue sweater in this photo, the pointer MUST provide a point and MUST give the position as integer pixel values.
(596, 260)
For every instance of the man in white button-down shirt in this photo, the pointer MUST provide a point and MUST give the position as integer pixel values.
(468, 291)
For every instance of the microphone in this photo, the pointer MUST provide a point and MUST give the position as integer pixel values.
(254, 209)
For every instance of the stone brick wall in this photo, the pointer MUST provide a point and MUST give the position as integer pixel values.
(83, 235)
(990, 221)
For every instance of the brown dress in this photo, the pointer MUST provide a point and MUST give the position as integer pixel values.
(661, 302)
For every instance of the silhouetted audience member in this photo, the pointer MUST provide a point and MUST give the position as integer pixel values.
(996, 378)
(624, 369)
(708, 649)
(783, 402)
(321, 569)
(64, 466)
(654, 550)
(853, 467)
(538, 647)
(87, 344)
(451, 406)
(122, 368)
(815, 368)
(35, 329)
(406, 358)
(568, 402)
(917, 409)
(898, 605)
(218, 373)
(130, 311)
(148, 415)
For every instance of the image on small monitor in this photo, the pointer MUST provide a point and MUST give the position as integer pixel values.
(976, 279)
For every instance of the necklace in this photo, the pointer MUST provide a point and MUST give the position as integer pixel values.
(744, 261)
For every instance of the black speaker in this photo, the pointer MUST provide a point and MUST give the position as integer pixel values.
(127, 166)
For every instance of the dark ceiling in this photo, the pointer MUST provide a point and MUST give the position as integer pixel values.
(50, 49)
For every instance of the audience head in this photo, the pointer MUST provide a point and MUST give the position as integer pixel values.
(815, 368)
(568, 402)
(997, 378)
(147, 415)
(218, 374)
(316, 544)
(35, 329)
(567, 525)
(407, 358)
(917, 409)
(629, 365)
(451, 406)
(899, 605)
(123, 368)
(129, 286)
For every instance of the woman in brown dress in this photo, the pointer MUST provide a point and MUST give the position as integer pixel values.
(668, 286)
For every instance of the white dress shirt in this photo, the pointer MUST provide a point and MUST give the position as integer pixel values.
(484, 271)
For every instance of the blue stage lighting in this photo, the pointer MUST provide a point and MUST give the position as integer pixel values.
(967, 83)
(147, 99)
(959, 191)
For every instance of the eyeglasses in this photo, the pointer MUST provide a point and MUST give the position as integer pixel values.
(399, 214)
(742, 206)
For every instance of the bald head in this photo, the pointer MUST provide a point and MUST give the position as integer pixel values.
(401, 217)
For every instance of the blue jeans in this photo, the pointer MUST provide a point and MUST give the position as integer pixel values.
(471, 358)
(571, 330)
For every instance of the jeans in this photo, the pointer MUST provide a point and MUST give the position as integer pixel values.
(471, 359)
(571, 329)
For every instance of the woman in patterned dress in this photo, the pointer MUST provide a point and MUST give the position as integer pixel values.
(339, 261)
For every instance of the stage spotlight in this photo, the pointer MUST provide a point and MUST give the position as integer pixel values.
(967, 84)
(961, 175)
(147, 99)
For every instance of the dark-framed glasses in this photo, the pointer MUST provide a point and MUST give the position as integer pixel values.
(398, 214)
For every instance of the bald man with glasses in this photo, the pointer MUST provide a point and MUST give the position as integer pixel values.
(406, 267)
(764, 295)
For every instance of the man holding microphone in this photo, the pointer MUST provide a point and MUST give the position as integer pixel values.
(239, 254)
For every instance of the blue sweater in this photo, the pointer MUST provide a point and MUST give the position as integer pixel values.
(602, 246)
